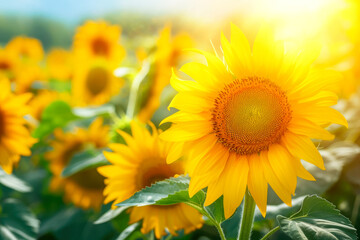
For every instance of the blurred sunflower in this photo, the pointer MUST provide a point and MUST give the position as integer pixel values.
(167, 55)
(139, 164)
(15, 138)
(248, 120)
(342, 46)
(59, 64)
(84, 188)
(94, 83)
(8, 64)
(26, 76)
(99, 39)
(42, 99)
(25, 48)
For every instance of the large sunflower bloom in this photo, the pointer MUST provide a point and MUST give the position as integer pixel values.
(139, 164)
(84, 188)
(94, 83)
(167, 55)
(15, 139)
(246, 122)
(27, 49)
(99, 39)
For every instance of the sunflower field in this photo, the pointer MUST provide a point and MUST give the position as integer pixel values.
(239, 120)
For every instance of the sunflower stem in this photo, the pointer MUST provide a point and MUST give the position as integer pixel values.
(216, 224)
(204, 212)
(271, 232)
(356, 207)
(134, 90)
(247, 217)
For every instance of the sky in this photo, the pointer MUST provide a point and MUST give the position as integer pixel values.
(72, 11)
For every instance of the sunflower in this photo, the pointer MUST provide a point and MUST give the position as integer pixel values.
(99, 39)
(167, 55)
(44, 98)
(27, 49)
(342, 46)
(139, 164)
(15, 139)
(94, 83)
(84, 188)
(26, 76)
(248, 120)
(8, 64)
(59, 64)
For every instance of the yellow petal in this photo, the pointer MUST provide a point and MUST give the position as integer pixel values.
(280, 161)
(183, 85)
(302, 147)
(186, 131)
(190, 103)
(236, 174)
(305, 127)
(274, 181)
(257, 183)
(175, 152)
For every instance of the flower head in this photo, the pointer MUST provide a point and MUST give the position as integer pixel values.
(248, 120)
(8, 64)
(167, 55)
(94, 83)
(98, 39)
(15, 138)
(138, 165)
(84, 188)
(27, 49)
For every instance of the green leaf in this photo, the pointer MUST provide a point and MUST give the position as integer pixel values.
(231, 226)
(83, 161)
(281, 209)
(17, 222)
(13, 182)
(216, 210)
(166, 192)
(128, 231)
(317, 219)
(109, 215)
(56, 115)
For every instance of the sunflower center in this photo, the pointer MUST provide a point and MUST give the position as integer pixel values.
(89, 179)
(100, 47)
(97, 80)
(4, 66)
(250, 115)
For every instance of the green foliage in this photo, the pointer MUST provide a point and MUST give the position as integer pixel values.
(128, 231)
(317, 219)
(17, 222)
(83, 161)
(167, 192)
(110, 214)
(10, 181)
(56, 115)
(51, 33)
